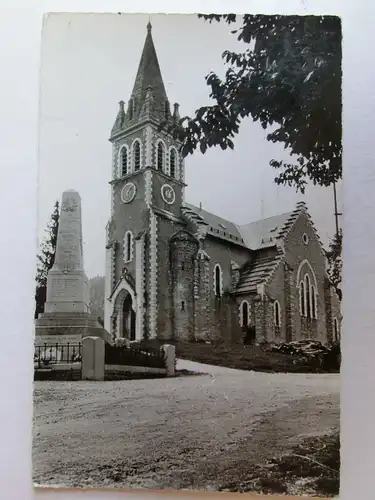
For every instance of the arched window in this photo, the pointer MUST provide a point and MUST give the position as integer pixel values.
(245, 313)
(313, 302)
(137, 155)
(161, 156)
(124, 161)
(308, 291)
(128, 246)
(218, 281)
(172, 162)
(276, 313)
(302, 298)
(307, 297)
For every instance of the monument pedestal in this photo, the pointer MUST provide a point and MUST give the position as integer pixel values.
(64, 327)
(67, 315)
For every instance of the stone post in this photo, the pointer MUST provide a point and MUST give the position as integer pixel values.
(170, 359)
(93, 354)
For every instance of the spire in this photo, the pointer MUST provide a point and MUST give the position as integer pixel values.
(149, 77)
(120, 118)
(148, 99)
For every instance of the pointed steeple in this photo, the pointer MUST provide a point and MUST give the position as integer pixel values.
(149, 81)
(149, 74)
(148, 100)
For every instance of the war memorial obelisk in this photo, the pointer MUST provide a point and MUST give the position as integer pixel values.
(66, 316)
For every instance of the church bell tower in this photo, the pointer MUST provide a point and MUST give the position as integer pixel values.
(147, 194)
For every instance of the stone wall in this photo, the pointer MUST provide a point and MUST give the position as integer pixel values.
(183, 250)
(299, 256)
(275, 291)
(165, 278)
(223, 253)
(202, 297)
(132, 217)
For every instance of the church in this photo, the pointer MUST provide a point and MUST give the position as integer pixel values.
(177, 272)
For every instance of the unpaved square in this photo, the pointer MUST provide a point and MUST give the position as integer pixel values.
(193, 432)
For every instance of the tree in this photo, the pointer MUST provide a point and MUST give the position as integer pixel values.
(46, 259)
(288, 79)
(97, 297)
(335, 262)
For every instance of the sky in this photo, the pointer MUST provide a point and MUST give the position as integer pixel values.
(89, 63)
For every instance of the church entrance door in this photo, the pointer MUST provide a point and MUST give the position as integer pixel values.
(128, 318)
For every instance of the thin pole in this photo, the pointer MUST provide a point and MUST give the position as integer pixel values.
(336, 212)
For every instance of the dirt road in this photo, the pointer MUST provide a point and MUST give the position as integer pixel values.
(190, 432)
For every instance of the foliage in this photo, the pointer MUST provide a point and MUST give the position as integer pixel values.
(287, 79)
(46, 259)
(334, 256)
(97, 286)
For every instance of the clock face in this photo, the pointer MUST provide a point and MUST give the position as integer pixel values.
(168, 194)
(128, 192)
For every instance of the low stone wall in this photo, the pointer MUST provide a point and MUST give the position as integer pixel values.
(93, 365)
(59, 371)
(121, 372)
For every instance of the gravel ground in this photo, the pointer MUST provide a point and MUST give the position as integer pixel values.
(193, 432)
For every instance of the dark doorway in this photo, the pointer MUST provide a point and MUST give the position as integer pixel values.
(132, 325)
(128, 327)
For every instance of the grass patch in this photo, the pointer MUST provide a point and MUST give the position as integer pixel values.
(240, 357)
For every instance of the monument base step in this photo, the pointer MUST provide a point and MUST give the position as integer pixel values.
(55, 332)
(67, 320)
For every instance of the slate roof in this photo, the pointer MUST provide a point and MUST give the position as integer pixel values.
(216, 226)
(255, 236)
(263, 233)
(260, 270)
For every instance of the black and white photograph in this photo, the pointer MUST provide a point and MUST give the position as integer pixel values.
(188, 277)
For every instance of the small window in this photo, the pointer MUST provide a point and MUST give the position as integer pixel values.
(276, 311)
(245, 313)
(307, 296)
(182, 266)
(182, 305)
(161, 156)
(128, 246)
(313, 302)
(305, 238)
(302, 298)
(172, 163)
(137, 155)
(218, 281)
(124, 162)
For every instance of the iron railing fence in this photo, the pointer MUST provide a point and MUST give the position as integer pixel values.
(151, 358)
(49, 354)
